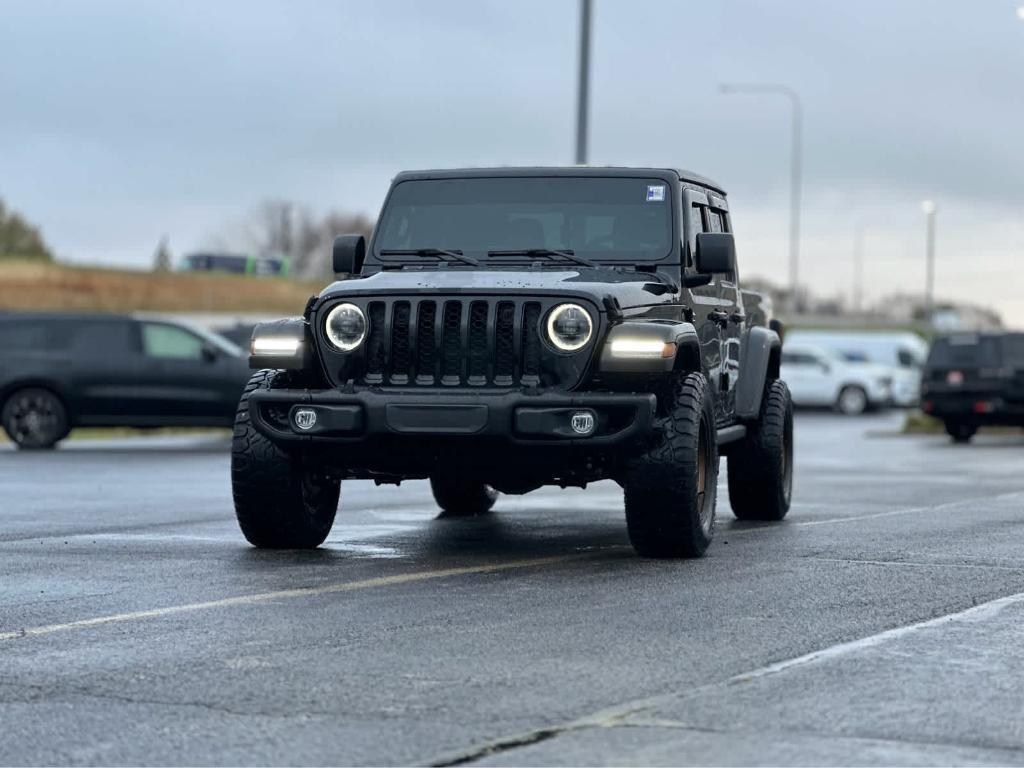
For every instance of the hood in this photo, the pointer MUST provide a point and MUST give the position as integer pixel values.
(627, 287)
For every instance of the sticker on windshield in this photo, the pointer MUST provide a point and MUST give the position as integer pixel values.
(655, 193)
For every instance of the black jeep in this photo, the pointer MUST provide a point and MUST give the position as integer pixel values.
(507, 329)
(975, 379)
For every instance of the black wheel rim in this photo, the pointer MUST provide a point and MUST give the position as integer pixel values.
(33, 419)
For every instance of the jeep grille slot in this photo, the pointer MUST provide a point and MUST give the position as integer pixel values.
(531, 343)
(467, 341)
(375, 344)
(451, 346)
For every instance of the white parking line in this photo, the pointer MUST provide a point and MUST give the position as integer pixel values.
(978, 612)
(284, 594)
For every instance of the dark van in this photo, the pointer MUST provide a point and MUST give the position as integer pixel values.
(975, 379)
(59, 371)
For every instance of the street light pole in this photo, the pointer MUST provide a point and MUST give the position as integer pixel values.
(583, 84)
(929, 209)
(795, 169)
(858, 267)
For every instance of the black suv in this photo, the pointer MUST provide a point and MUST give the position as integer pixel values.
(61, 371)
(509, 328)
(975, 379)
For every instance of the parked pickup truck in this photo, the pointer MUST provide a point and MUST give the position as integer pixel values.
(507, 329)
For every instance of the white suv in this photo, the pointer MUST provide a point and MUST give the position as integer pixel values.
(819, 377)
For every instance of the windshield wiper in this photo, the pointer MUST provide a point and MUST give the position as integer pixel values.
(549, 253)
(443, 254)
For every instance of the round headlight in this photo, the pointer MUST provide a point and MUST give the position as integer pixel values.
(345, 327)
(569, 327)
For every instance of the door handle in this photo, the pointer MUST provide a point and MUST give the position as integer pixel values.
(719, 317)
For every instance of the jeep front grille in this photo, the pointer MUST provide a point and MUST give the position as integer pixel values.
(464, 341)
(475, 342)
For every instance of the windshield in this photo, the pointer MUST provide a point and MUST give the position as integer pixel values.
(610, 219)
(969, 351)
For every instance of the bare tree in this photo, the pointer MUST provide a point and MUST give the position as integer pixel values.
(162, 260)
(282, 228)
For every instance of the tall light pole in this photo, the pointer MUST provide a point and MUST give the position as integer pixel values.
(583, 84)
(795, 169)
(858, 267)
(929, 209)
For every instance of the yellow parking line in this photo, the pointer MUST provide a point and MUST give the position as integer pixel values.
(285, 594)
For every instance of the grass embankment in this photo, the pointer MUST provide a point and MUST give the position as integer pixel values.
(918, 423)
(36, 286)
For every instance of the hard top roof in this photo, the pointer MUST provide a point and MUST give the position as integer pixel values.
(564, 170)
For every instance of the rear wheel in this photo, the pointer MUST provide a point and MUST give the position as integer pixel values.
(761, 466)
(282, 499)
(671, 489)
(852, 400)
(35, 418)
(960, 432)
(462, 497)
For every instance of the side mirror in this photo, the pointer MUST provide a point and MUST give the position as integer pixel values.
(209, 353)
(716, 253)
(349, 253)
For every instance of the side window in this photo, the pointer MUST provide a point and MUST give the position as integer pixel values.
(720, 223)
(25, 335)
(698, 217)
(103, 337)
(168, 342)
(715, 219)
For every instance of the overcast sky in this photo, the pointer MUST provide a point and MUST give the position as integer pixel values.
(124, 121)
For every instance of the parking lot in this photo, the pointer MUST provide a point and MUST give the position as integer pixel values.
(880, 623)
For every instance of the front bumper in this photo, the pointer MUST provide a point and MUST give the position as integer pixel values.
(517, 417)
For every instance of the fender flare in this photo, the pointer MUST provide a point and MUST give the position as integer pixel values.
(760, 357)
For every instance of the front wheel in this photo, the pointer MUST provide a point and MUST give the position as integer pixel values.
(462, 497)
(671, 489)
(761, 466)
(282, 501)
(35, 418)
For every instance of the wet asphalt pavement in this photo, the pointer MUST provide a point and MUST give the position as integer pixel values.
(881, 623)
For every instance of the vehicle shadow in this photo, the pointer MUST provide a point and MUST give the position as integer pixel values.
(532, 535)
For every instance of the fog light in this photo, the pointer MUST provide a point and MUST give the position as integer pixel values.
(305, 419)
(583, 423)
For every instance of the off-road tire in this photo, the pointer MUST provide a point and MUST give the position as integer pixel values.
(760, 467)
(35, 419)
(671, 488)
(282, 500)
(960, 432)
(462, 498)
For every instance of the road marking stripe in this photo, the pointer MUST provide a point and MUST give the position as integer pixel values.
(626, 713)
(284, 594)
(874, 515)
(978, 612)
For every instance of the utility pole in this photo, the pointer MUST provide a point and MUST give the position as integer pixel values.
(858, 268)
(930, 209)
(583, 84)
